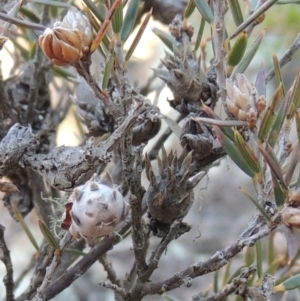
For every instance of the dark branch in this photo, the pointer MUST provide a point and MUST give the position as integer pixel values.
(5, 258)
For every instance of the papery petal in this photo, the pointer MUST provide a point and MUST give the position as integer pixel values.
(45, 42)
(74, 38)
(66, 219)
(71, 54)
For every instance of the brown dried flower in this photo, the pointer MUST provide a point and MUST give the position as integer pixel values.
(68, 41)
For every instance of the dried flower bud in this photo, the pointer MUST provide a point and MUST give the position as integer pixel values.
(261, 104)
(239, 92)
(95, 209)
(294, 198)
(291, 217)
(251, 118)
(68, 41)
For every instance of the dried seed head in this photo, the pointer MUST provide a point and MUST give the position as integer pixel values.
(69, 40)
(184, 76)
(95, 209)
(170, 193)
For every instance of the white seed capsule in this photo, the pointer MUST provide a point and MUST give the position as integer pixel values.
(95, 209)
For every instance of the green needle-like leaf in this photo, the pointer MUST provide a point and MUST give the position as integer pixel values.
(273, 163)
(98, 12)
(138, 36)
(270, 115)
(107, 71)
(48, 235)
(189, 9)
(20, 219)
(117, 20)
(289, 284)
(129, 20)
(167, 39)
(282, 114)
(199, 34)
(295, 97)
(277, 72)
(257, 205)
(236, 12)
(233, 152)
(259, 259)
(237, 51)
(247, 152)
(249, 55)
(205, 10)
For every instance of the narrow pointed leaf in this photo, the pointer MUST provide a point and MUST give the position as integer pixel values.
(98, 12)
(289, 284)
(189, 9)
(220, 122)
(216, 281)
(273, 163)
(249, 54)
(259, 259)
(129, 19)
(279, 120)
(249, 256)
(247, 152)
(237, 51)
(199, 34)
(279, 191)
(233, 152)
(257, 205)
(290, 168)
(260, 81)
(295, 97)
(117, 20)
(205, 10)
(101, 33)
(138, 36)
(269, 117)
(277, 72)
(48, 235)
(29, 13)
(274, 265)
(225, 129)
(226, 273)
(236, 12)
(51, 3)
(167, 39)
(107, 71)
(20, 219)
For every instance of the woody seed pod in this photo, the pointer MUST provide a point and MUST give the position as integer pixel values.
(95, 209)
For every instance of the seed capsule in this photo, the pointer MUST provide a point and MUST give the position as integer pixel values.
(68, 41)
(95, 209)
